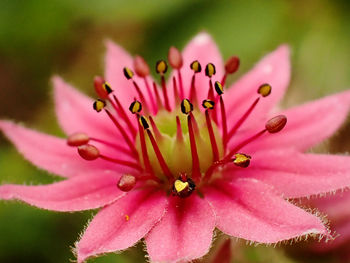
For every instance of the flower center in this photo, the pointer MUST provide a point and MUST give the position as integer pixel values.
(180, 149)
(171, 133)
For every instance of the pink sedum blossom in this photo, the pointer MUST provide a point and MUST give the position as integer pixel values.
(171, 174)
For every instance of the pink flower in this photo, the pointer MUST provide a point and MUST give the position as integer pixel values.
(171, 175)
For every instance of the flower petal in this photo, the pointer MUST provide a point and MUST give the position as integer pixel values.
(123, 223)
(116, 59)
(308, 124)
(296, 174)
(202, 48)
(53, 154)
(79, 193)
(184, 233)
(251, 210)
(273, 69)
(75, 114)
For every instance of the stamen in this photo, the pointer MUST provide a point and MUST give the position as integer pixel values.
(141, 67)
(187, 108)
(242, 160)
(142, 70)
(120, 110)
(156, 149)
(264, 90)
(175, 58)
(126, 182)
(231, 66)
(239, 159)
(276, 124)
(135, 107)
(99, 105)
(129, 75)
(220, 90)
(88, 152)
(210, 70)
(123, 133)
(102, 88)
(183, 188)
(78, 139)
(145, 156)
(176, 93)
(244, 143)
(161, 68)
(179, 134)
(121, 162)
(241, 120)
(115, 146)
(155, 129)
(159, 101)
(196, 67)
(209, 104)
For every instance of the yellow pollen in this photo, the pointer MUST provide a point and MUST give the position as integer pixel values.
(180, 186)
(161, 67)
(143, 122)
(218, 87)
(135, 107)
(210, 70)
(107, 87)
(241, 159)
(99, 105)
(128, 73)
(264, 89)
(196, 66)
(127, 217)
(208, 104)
(186, 106)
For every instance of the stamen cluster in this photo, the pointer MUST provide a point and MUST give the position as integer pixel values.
(162, 154)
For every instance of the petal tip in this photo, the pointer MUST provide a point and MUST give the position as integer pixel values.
(202, 37)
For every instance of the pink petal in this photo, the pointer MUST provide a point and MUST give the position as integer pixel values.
(53, 154)
(76, 114)
(309, 124)
(79, 193)
(273, 69)
(184, 233)
(296, 174)
(251, 210)
(123, 223)
(116, 59)
(202, 48)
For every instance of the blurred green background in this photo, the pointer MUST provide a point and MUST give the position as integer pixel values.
(40, 38)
